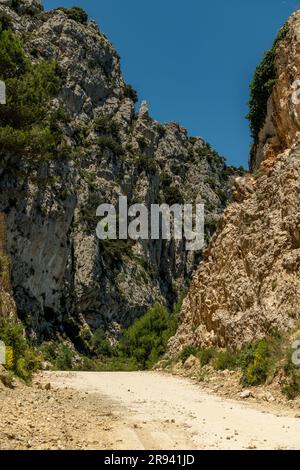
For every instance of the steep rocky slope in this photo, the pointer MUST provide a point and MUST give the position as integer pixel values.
(279, 74)
(249, 283)
(84, 144)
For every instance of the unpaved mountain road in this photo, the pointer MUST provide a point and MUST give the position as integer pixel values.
(153, 411)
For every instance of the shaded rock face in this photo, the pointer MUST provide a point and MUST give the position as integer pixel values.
(63, 277)
(249, 283)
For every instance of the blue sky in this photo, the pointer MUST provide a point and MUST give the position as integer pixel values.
(192, 60)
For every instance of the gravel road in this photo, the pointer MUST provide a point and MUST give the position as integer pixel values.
(153, 411)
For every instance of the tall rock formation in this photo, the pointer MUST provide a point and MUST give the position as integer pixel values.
(277, 77)
(249, 283)
(79, 142)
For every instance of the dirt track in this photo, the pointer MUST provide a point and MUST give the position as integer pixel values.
(155, 411)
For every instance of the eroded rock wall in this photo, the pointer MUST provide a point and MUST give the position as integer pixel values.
(63, 277)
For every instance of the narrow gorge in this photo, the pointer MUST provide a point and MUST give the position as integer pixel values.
(140, 343)
(81, 140)
(89, 142)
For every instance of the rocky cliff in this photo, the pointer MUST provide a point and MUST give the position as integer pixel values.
(249, 283)
(275, 93)
(71, 138)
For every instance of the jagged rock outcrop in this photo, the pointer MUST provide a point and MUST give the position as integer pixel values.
(62, 275)
(249, 283)
(281, 127)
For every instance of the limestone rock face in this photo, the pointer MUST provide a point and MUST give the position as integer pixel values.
(249, 282)
(282, 125)
(62, 275)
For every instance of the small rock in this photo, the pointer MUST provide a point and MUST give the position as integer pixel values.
(245, 394)
(269, 397)
(48, 386)
(144, 110)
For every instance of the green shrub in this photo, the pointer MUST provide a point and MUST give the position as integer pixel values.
(214, 158)
(165, 180)
(115, 250)
(187, 352)
(172, 195)
(117, 364)
(100, 344)
(211, 182)
(25, 360)
(225, 360)
(146, 340)
(146, 164)
(106, 125)
(64, 357)
(223, 196)
(292, 313)
(5, 21)
(258, 359)
(59, 354)
(291, 387)
(142, 143)
(129, 92)
(87, 216)
(108, 142)
(161, 131)
(76, 14)
(59, 116)
(261, 87)
(206, 356)
(24, 121)
(27, 365)
(28, 95)
(12, 57)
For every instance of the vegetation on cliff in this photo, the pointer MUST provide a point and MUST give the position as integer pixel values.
(262, 86)
(21, 358)
(76, 14)
(259, 362)
(139, 348)
(25, 121)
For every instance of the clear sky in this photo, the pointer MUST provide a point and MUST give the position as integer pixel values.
(192, 60)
